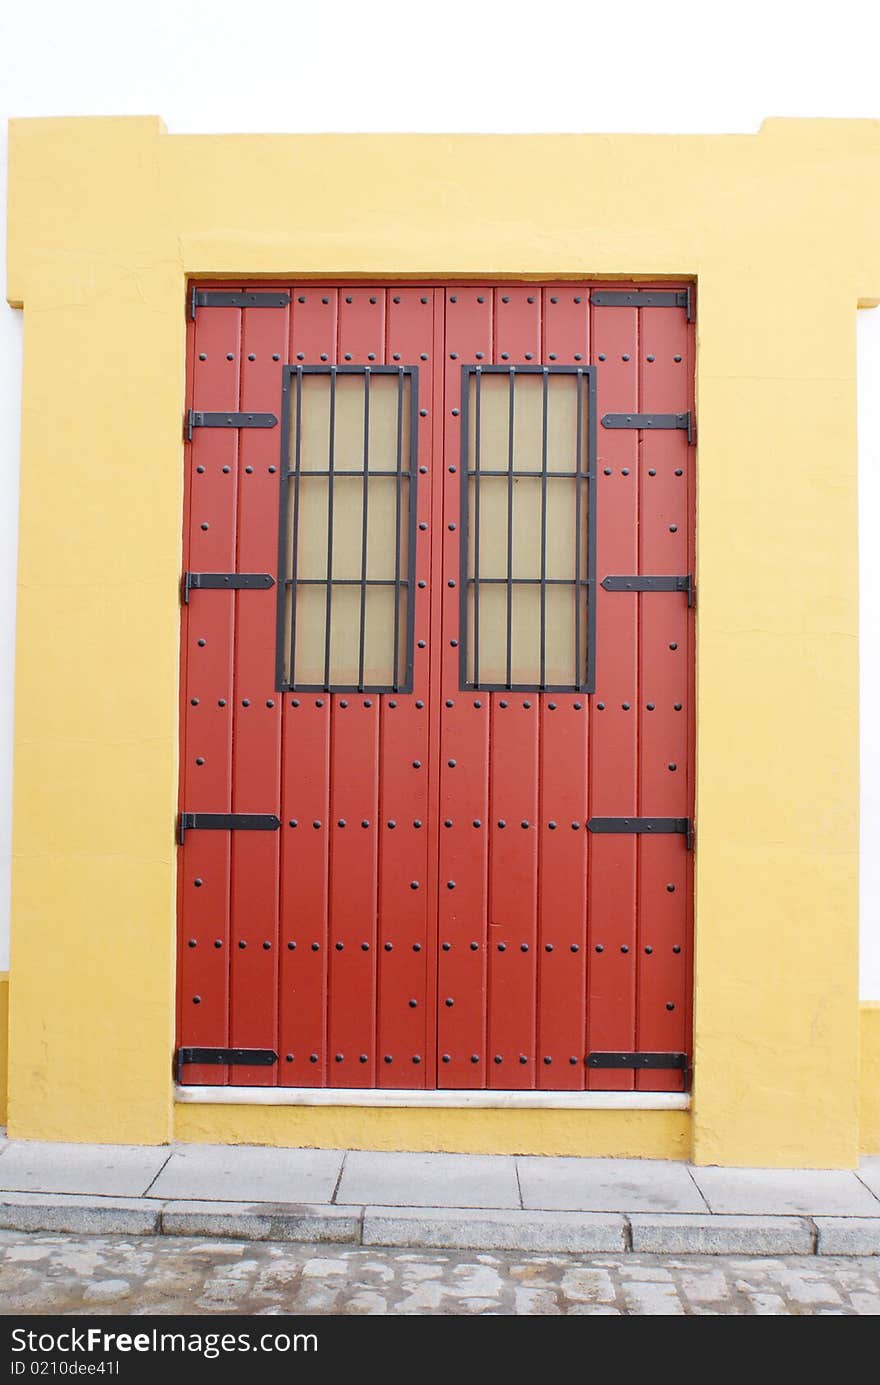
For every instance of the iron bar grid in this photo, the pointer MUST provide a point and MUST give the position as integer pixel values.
(292, 480)
(473, 474)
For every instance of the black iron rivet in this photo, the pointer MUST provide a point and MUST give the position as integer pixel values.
(421, 644)
(316, 824)
(198, 882)
(671, 888)
(625, 706)
(670, 1005)
(316, 947)
(505, 298)
(373, 300)
(391, 823)
(319, 701)
(205, 526)
(422, 525)
(575, 947)
(389, 947)
(529, 356)
(452, 526)
(502, 703)
(453, 355)
(300, 355)
(575, 827)
(226, 470)
(324, 356)
(363, 1058)
(417, 764)
(449, 702)
(416, 1058)
(477, 822)
(455, 413)
(269, 702)
(245, 702)
(417, 822)
(191, 943)
(527, 705)
(276, 356)
(601, 355)
(606, 470)
(291, 947)
(229, 356)
(475, 947)
(392, 703)
(625, 356)
(348, 300)
(365, 822)
(454, 644)
(242, 945)
(578, 356)
(396, 356)
(676, 706)
(202, 356)
(577, 706)
(650, 706)
(552, 826)
(423, 471)
(600, 947)
(652, 471)
(200, 469)
(313, 1057)
(524, 824)
(423, 413)
(479, 355)
(293, 822)
(552, 706)
(530, 300)
(450, 884)
(447, 947)
(272, 470)
(447, 822)
(451, 764)
(288, 1058)
(523, 947)
(419, 704)
(678, 471)
(194, 702)
(453, 298)
(413, 1004)
(294, 702)
(445, 1058)
(577, 300)
(523, 1058)
(200, 759)
(673, 645)
(365, 947)
(649, 358)
(221, 702)
(414, 884)
(625, 471)
(388, 1058)
(475, 1057)
(218, 942)
(251, 356)
(340, 822)
(676, 947)
(676, 358)
(267, 947)
(423, 300)
(554, 300)
(649, 950)
(600, 706)
(480, 298)
(449, 1002)
(497, 1057)
(553, 355)
(417, 947)
(673, 528)
(394, 300)
(197, 1000)
(672, 767)
(548, 1061)
(624, 948)
(422, 585)
(478, 704)
(548, 947)
(505, 355)
(371, 356)
(502, 947)
(347, 356)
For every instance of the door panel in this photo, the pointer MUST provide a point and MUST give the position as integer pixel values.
(433, 909)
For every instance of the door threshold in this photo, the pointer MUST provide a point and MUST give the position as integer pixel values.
(414, 1097)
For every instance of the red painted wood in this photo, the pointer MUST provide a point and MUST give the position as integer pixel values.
(613, 708)
(305, 805)
(205, 777)
(464, 738)
(257, 715)
(403, 1009)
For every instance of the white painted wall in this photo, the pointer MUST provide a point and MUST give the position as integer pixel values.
(221, 65)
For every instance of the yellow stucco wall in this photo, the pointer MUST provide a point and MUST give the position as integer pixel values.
(869, 1118)
(107, 220)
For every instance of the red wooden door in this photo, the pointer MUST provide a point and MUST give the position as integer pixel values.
(437, 687)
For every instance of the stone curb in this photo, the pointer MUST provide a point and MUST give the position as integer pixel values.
(447, 1228)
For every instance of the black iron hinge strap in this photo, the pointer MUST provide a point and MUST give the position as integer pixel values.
(643, 826)
(226, 822)
(220, 298)
(643, 1060)
(225, 581)
(222, 1057)
(657, 422)
(646, 298)
(636, 583)
(197, 418)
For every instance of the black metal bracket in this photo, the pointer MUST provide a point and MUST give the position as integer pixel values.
(197, 419)
(654, 421)
(646, 298)
(683, 583)
(642, 826)
(226, 822)
(222, 1057)
(225, 581)
(642, 1060)
(220, 298)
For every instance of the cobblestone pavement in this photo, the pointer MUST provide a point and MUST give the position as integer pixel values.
(51, 1273)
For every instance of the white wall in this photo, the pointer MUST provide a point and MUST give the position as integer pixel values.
(220, 65)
